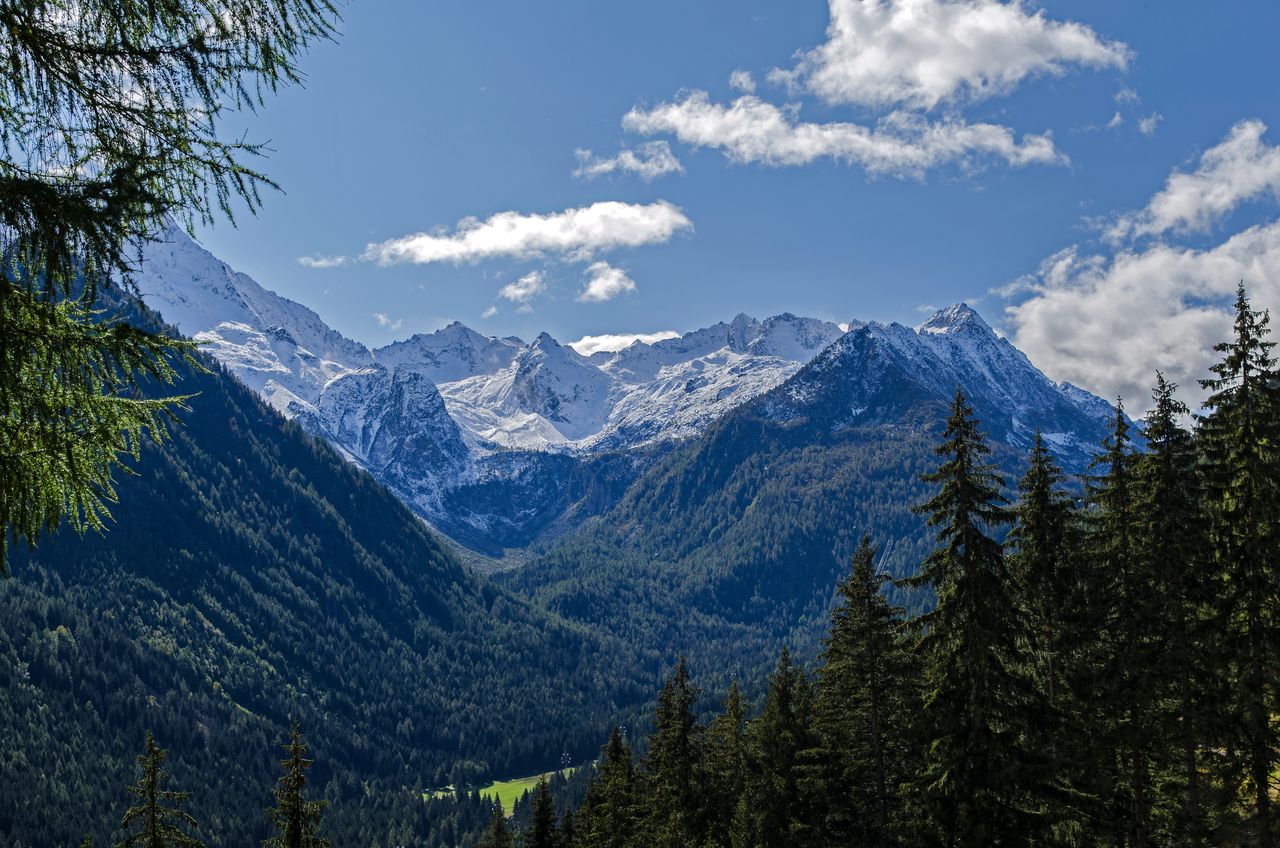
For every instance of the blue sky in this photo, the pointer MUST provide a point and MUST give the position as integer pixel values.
(1058, 175)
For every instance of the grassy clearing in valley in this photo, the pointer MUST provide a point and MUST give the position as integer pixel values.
(506, 791)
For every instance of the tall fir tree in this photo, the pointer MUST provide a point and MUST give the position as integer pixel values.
(1120, 690)
(1240, 440)
(1174, 546)
(725, 766)
(1042, 548)
(608, 817)
(496, 834)
(542, 830)
(157, 821)
(866, 702)
(672, 797)
(783, 747)
(295, 819)
(974, 783)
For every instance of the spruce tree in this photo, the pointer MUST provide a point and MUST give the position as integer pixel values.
(295, 819)
(975, 783)
(157, 821)
(786, 807)
(496, 834)
(1174, 546)
(725, 766)
(865, 705)
(672, 796)
(609, 812)
(1043, 552)
(1240, 437)
(1121, 692)
(542, 827)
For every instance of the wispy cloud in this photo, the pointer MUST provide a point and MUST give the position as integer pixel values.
(1240, 168)
(524, 290)
(742, 81)
(604, 283)
(648, 161)
(323, 261)
(385, 320)
(923, 53)
(588, 345)
(902, 144)
(489, 313)
(575, 234)
(1147, 125)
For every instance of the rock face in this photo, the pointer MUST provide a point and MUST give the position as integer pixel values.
(498, 441)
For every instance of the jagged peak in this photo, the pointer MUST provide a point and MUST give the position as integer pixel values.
(954, 318)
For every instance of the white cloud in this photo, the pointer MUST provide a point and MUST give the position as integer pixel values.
(1241, 167)
(489, 313)
(921, 53)
(525, 289)
(385, 320)
(741, 80)
(323, 261)
(574, 234)
(649, 161)
(1116, 120)
(588, 345)
(1108, 323)
(1147, 125)
(604, 283)
(752, 130)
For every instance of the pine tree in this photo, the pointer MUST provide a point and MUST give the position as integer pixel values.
(865, 706)
(975, 784)
(725, 766)
(542, 827)
(609, 813)
(782, 740)
(496, 835)
(158, 820)
(1174, 548)
(1042, 548)
(672, 796)
(1120, 691)
(1240, 437)
(294, 818)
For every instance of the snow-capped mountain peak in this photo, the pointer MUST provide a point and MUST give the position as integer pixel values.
(958, 318)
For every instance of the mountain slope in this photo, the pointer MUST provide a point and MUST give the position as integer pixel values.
(252, 575)
(731, 545)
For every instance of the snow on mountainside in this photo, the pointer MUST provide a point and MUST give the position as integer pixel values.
(498, 440)
(877, 373)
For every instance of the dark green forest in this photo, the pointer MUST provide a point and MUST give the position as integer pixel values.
(1094, 671)
(252, 576)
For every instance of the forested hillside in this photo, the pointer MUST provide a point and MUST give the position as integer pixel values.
(251, 575)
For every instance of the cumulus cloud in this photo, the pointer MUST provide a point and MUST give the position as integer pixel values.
(323, 261)
(1108, 323)
(741, 80)
(489, 313)
(649, 161)
(588, 345)
(574, 234)
(525, 289)
(922, 53)
(604, 283)
(385, 320)
(1240, 168)
(1147, 125)
(752, 130)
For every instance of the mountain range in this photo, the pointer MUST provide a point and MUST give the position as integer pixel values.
(502, 444)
